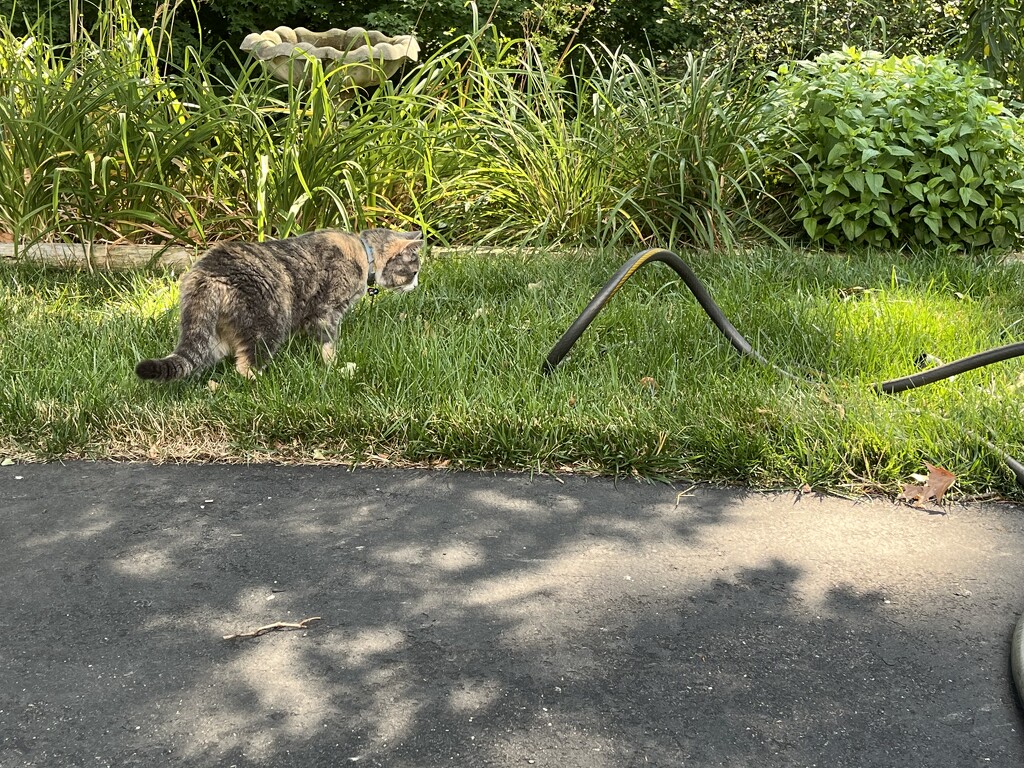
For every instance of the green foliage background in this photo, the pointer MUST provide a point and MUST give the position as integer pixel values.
(637, 27)
(765, 31)
(655, 131)
(770, 31)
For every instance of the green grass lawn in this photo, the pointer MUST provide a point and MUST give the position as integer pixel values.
(450, 374)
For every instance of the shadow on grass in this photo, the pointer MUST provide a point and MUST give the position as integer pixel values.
(480, 620)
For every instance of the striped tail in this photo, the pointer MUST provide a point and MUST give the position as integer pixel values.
(174, 366)
(200, 310)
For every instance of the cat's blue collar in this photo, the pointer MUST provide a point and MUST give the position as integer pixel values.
(371, 267)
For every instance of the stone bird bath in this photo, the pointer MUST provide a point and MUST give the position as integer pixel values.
(368, 56)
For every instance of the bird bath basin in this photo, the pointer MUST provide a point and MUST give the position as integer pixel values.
(368, 56)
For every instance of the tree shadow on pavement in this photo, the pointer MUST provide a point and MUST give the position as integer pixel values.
(481, 620)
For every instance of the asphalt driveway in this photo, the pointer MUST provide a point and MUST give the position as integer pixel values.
(482, 620)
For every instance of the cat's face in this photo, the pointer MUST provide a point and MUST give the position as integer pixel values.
(398, 258)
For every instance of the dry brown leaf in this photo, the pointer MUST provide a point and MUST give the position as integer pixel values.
(939, 480)
(912, 494)
(935, 486)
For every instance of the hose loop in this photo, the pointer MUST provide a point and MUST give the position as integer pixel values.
(744, 348)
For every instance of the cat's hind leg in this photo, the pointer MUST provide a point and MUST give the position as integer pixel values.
(252, 344)
(249, 350)
(232, 344)
(252, 327)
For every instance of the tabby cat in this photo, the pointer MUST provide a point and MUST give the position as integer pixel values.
(246, 299)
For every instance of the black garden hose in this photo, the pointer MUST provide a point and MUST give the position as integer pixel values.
(564, 344)
(941, 372)
(741, 345)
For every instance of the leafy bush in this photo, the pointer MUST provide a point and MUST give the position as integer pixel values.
(621, 153)
(890, 151)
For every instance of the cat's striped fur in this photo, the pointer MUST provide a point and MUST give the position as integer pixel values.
(246, 299)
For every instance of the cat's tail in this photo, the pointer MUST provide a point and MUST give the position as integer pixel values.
(200, 310)
(174, 366)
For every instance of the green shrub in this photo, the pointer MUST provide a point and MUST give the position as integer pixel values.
(621, 154)
(901, 150)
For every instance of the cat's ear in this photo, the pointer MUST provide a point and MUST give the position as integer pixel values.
(412, 247)
(414, 234)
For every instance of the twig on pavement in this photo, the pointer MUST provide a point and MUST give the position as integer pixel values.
(271, 627)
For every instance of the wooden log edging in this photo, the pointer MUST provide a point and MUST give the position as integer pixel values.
(101, 255)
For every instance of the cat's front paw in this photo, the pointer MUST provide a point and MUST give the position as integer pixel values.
(327, 350)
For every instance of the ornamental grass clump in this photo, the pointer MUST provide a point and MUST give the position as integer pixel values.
(111, 138)
(895, 151)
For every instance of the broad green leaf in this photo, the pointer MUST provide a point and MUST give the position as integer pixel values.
(897, 151)
(916, 189)
(839, 152)
(951, 152)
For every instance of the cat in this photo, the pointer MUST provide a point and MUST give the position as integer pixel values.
(246, 299)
